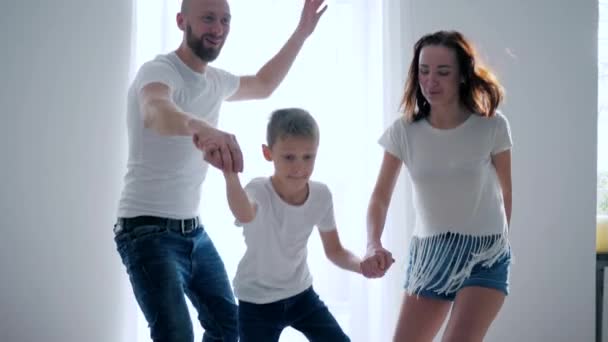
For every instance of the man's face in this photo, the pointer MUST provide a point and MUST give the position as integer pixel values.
(207, 23)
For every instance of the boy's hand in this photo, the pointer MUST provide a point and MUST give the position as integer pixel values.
(376, 262)
(220, 149)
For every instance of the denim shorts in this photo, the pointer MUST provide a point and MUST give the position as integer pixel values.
(495, 276)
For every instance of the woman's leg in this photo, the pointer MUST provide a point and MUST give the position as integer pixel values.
(475, 308)
(421, 318)
(478, 302)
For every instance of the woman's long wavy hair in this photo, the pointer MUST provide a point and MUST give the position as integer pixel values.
(479, 91)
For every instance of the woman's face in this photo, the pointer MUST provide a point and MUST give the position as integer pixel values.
(439, 75)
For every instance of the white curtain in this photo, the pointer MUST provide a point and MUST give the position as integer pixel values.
(349, 75)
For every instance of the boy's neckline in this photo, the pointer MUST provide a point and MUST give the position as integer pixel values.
(286, 200)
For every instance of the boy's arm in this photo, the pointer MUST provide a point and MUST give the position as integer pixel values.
(340, 256)
(242, 209)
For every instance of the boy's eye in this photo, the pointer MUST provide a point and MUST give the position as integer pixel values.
(208, 18)
(290, 157)
(225, 21)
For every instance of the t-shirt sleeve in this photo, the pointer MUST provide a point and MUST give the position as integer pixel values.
(393, 139)
(229, 83)
(328, 220)
(256, 196)
(502, 134)
(157, 71)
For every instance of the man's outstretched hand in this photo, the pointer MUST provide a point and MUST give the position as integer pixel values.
(310, 16)
(220, 149)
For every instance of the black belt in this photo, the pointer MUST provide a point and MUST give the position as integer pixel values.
(181, 226)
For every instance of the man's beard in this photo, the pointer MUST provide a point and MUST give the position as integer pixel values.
(197, 46)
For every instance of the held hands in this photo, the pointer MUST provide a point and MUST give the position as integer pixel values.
(220, 149)
(376, 262)
(310, 16)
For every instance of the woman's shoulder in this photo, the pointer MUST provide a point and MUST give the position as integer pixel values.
(403, 123)
(498, 119)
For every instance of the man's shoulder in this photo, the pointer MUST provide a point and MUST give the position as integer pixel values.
(218, 70)
(161, 66)
(162, 60)
(218, 74)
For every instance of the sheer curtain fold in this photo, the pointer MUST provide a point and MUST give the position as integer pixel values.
(350, 80)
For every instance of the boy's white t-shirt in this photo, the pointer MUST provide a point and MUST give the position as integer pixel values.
(274, 266)
(455, 184)
(164, 174)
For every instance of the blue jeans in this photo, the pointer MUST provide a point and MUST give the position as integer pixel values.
(165, 263)
(304, 312)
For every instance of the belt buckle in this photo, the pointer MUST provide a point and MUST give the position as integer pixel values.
(186, 230)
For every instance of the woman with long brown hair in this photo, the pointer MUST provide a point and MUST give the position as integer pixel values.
(457, 149)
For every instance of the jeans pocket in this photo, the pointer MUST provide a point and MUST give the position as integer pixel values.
(127, 239)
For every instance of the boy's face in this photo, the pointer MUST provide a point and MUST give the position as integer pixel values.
(294, 160)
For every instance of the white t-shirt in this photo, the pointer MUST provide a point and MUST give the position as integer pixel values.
(164, 174)
(274, 266)
(454, 182)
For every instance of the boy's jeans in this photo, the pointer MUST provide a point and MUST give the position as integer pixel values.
(304, 312)
(166, 259)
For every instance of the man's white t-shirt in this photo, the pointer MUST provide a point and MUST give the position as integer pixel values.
(274, 266)
(165, 173)
(455, 184)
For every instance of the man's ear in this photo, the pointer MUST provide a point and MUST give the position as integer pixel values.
(267, 152)
(181, 21)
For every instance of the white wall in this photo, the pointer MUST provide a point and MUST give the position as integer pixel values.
(64, 67)
(545, 52)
